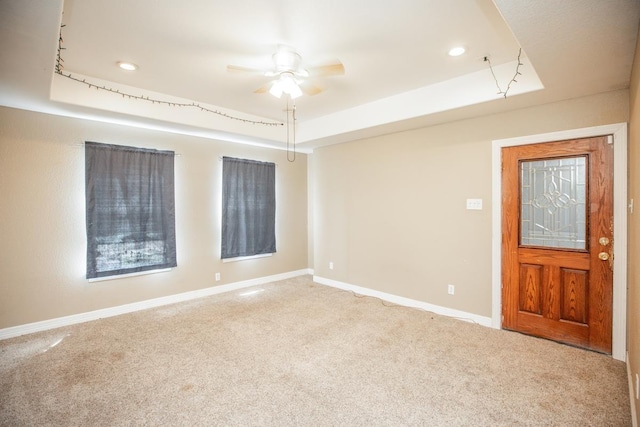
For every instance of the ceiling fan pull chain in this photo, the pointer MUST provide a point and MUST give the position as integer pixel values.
(293, 119)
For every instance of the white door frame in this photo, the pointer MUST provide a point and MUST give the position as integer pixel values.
(619, 131)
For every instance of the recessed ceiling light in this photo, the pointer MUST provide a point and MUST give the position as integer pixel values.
(456, 51)
(127, 66)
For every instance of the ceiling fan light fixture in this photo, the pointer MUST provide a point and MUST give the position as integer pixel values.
(286, 84)
(288, 76)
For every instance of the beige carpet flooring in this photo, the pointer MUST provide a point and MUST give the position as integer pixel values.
(295, 353)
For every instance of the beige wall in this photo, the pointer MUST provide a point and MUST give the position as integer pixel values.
(390, 212)
(42, 227)
(633, 308)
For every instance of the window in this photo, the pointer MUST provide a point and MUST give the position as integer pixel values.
(248, 208)
(130, 209)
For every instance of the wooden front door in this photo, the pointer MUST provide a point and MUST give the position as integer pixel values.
(557, 241)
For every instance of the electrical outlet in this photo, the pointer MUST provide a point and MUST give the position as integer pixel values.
(451, 289)
(217, 277)
(330, 265)
(474, 204)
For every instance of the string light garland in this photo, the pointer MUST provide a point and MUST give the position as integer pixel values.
(60, 67)
(513, 80)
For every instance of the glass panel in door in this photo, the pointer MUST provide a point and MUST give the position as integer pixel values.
(553, 203)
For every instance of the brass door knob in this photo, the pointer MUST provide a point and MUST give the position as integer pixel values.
(603, 241)
(603, 256)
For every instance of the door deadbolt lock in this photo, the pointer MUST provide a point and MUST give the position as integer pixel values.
(603, 241)
(603, 256)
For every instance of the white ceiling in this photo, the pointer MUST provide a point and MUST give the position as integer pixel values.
(398, 74)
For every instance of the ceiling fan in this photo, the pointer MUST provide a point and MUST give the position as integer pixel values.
(289, 76)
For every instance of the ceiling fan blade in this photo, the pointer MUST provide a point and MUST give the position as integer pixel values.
(310, 89)
(241, 69)
(263, 89)
(325, 70)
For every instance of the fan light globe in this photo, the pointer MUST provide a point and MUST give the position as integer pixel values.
(286, 84)
(276, 90)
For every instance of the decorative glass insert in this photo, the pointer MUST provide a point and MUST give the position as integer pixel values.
(554, 203)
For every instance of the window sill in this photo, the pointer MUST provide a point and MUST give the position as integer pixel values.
(245, 258)
(122, 276)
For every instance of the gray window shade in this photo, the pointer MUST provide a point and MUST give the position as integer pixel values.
(130, 209)
(248, 207)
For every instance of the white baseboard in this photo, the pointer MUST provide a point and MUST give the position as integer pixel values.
(462, 315)
(632, 394)
(44, 325)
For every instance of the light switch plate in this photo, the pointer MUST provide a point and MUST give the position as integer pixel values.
(474, 204)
